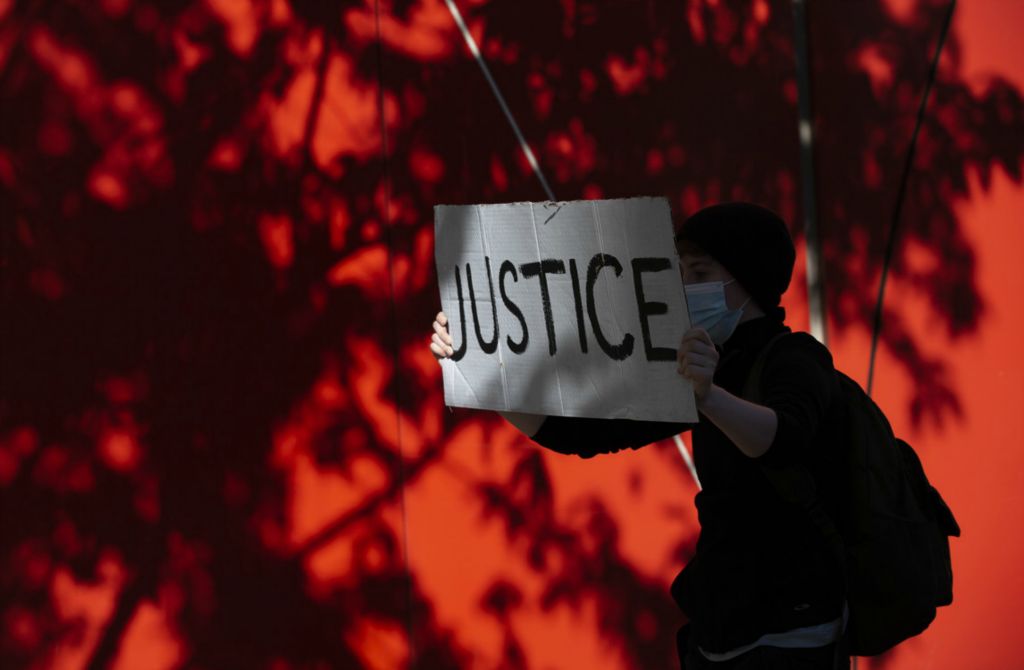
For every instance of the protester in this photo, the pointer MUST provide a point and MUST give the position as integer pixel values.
(763, 589)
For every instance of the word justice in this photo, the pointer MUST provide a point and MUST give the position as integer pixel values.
(540, 271)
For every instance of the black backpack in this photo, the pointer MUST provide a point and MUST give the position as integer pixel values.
(891, 531)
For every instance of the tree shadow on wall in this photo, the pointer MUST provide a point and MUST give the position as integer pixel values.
(220, 270)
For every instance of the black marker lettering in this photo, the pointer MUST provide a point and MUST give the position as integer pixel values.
(461, 351)
(516, 347)
(579, 304)
(646, 309)
(622, 350)
(492, 346)
(542, 270)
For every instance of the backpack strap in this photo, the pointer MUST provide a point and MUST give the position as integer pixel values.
(752, 387)
(793, 481)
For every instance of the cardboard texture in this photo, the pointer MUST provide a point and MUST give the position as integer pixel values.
(587, 301)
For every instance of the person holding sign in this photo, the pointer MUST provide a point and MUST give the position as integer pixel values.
(762, 590)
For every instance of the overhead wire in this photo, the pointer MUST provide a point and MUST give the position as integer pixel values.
(908, 163)
(524, 146)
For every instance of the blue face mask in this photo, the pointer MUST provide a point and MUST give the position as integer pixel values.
(708, 310)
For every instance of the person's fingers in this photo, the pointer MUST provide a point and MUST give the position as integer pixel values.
(439, 341)
(698, 334)
(695, 370)
(697, 347)
(696, 339)
(694, 358)
(441, 319)
(697, 380)
(445, 348)
(695, 373)
(440, 329)
(437, 350)
(705, 337)
(688, 369)
(693, 333)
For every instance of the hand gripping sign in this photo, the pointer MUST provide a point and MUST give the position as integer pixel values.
(564, 308)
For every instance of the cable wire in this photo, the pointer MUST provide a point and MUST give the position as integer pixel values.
(908, 163)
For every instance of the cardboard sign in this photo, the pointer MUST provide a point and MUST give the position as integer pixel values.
(564, 308)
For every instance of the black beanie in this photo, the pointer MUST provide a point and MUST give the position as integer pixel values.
(751, 242)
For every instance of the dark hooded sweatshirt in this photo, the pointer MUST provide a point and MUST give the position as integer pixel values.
(760, 565)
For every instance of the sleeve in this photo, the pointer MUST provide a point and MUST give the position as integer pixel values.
(586, 438)
(800, 384)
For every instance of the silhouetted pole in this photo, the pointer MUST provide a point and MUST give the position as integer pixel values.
(808, 192)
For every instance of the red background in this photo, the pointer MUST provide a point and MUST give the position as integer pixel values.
(222, 436)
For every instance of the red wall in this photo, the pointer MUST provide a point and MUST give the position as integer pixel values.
(222, 437)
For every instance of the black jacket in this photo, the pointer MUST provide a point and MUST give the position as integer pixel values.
(760, 565)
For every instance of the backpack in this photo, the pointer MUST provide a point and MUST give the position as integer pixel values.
(891, 528)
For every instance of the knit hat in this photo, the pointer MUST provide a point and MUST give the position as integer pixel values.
(751, 242)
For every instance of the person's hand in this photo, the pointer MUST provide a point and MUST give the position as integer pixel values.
(697, 359)
(441, 341)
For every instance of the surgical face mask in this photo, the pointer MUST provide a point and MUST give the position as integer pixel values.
(708, 310)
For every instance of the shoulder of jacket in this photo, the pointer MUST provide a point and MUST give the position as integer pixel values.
(800, 344)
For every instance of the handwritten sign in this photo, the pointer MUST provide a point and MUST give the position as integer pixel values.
(564, 308)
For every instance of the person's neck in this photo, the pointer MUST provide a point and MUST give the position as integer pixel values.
(751, 312)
